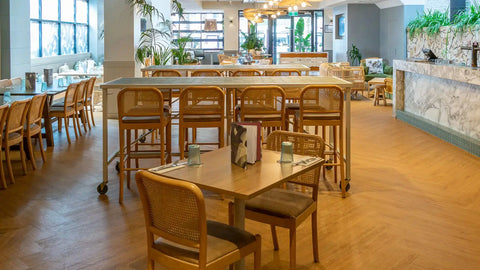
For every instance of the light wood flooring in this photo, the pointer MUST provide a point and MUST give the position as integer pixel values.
(414, 204)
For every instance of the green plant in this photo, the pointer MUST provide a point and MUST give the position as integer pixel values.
(468, 18)
(180, 53)
(302, 43)
(154, 42)
(354, 55)
(252, 42)
(431, 20)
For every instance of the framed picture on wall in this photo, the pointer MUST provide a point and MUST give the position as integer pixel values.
(340, 26)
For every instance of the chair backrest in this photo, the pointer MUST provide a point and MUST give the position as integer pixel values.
(173, 210)
(90, 86)
(140, 101)
(5, 83)
(207, 73)
(16, 116)
(81, 91)
(303, 144)
(166, 73)
(70, 95)
(246, 72)
(264, 100)
(16, 81)
(335, 71)
(389, 85)
(221, 57)
(3, 117)
(323, 99)
(202, 100)
(286, 72)
(35, 110)
(352, 74)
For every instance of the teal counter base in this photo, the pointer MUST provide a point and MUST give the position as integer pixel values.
(466, 143)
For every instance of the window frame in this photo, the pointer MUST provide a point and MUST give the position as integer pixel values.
(177, 32)
(59, 22)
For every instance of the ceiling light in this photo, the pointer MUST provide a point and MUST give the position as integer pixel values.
(304, 4)
(270, 3)
(289, 8)
(295, 7)
(265, 6)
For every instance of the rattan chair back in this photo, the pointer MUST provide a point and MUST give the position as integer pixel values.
(140, 101)
(16, 117)
(246, 72)
(206, 73)
(286, 72)
(166, 73)
(389, 85)
(321, 99)
(173, 210)
(89, 92)
(200, 100)
(35, 110)
(263, 103)
(70, 95)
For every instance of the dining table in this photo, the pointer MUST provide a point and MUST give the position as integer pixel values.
(19, 92)
(228, 83)
(217, 174)
(186, 69)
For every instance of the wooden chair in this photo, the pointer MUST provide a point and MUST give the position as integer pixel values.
(292, 94)
(246, 72)
(322, 106)
(265, 104)
(355, 75)
(80, 106)
(3, 117)
(201, 107)
(175, 212)
(237, 92)
(221, 57)
(67, 110)
(14, 128)
(171, 92)
(34, 126)
(288, 208)
(141, 108)
(206, 73)
(16, 81)
(89, 101)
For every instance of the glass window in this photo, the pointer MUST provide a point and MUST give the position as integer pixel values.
(50, 10)
(34, 9)
(68, 39)
(68, 11)
(193, 26)
(49, 39)
(58, 27)
(82, 11)
(35, 39)
(82, 38)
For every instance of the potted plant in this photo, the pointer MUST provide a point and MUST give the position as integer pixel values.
(181, 55)
(302, 44)
(154, 43)
(354, 55)
(252, 42)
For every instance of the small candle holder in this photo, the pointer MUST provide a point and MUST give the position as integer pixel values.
(287, 152)
(193, 154)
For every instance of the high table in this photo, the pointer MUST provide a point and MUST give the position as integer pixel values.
(219, 175)
(189, 68)
(19, 90)
(224, 82)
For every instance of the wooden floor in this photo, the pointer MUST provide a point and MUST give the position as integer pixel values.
(414, 204)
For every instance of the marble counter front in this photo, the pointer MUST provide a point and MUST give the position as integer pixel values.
(441, 99)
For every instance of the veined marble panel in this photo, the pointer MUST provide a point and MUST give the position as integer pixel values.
(452, 104)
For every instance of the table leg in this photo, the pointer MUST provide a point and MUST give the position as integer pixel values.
(105, 133)
(347, 140)
(239, 222)
(47, 121)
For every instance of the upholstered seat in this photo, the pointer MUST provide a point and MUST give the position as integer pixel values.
(221, 239)
(280, 202)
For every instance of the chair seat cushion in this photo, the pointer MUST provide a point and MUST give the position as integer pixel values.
(280, 203)
(60, 109)
(202, 118)
(292, 106)
(221, 239)
(35, 129)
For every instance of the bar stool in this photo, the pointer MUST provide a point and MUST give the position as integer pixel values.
(323, 106)
(291, 94)
(201, 107)
(237, 92)
(141, 108)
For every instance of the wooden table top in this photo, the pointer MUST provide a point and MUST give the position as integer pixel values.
(376, 81)
(16, 90)
(219, 175)
(11, 99)
(232, 67)
(227, 82)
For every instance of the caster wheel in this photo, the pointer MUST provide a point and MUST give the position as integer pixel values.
(143, 139)
(347, 188)
(117, 166)
(102, 188)
(328, 167)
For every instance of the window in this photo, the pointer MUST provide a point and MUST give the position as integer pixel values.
(58, 27)
(193, 25)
